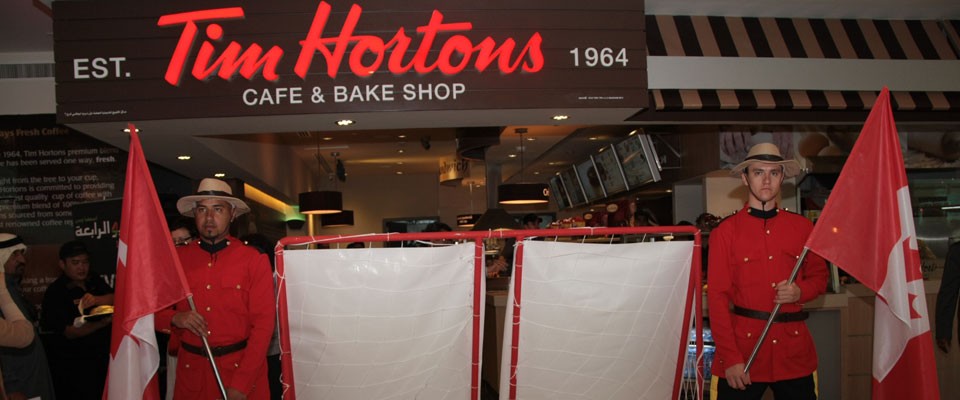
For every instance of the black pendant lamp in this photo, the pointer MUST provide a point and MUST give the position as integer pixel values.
(495, 219)
(523, 193)
(321, 202)
(467, 220)
(343, 218)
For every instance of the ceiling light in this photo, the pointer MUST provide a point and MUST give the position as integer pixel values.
(401, 136)
(593, 138)
(399, 172)
(560, 117)
(399, 162)
(183, 158)
(512, 155)
(219, 174)
(345, 122)
(400, 151)
(328, 138)
(633, 132)
(531, 139)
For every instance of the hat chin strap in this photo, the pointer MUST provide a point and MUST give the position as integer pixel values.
(763, 203)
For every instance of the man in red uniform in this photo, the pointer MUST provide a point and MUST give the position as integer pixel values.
(233, 291)
(752, 254)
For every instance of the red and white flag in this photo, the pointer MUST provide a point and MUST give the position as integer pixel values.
(867, 229)
(149, 279)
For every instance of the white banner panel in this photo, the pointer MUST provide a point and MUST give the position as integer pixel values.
(598, 321)
(381, 323)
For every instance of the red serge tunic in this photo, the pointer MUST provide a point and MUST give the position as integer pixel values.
(233, 290)
(749, 255)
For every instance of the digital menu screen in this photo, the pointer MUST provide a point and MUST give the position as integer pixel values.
(572, 183)
(608, 168)
(590, 180)
(633, 160)
(559, 193)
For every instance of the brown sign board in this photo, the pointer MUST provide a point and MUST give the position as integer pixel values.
(118, 60)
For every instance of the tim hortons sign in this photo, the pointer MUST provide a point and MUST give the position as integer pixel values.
(122, 61)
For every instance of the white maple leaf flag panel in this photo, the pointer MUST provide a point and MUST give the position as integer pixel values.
(599, 321)
(381, 323)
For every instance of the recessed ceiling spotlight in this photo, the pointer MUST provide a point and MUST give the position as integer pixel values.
(512, 155)
(345, 122)
(400, 151)
(633, 132)
(219, 174)
(593, 138)
(560, 117)
(399, 172)
(531, 139)
(399, 162)
(183, 157)
(536, 172)
(554, 163)
(328, 138)
(401, 136)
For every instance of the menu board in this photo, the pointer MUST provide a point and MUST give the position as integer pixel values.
(559, 192)
(590, 180)
(635, 161)
(608, 167)
(572, 183)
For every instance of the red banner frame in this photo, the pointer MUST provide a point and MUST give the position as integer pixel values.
(694, 302)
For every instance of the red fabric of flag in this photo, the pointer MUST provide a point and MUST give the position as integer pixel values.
(149, 278)
(867, 229)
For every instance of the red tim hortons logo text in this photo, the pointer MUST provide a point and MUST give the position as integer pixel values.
(364, 54)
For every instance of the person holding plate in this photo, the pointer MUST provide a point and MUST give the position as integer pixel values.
(80, 347)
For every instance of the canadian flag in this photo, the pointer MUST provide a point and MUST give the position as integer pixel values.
(867, 229)
(149, 279)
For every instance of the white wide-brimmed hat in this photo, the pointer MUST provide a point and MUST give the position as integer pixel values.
(211, 188)
(767, 153)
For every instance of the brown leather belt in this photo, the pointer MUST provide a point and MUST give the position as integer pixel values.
(763, 315)
(216, 350)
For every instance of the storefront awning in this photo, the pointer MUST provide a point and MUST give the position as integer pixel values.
(793, 100)
(752, 38)
(701, 36)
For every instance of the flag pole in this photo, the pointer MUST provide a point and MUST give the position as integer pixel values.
(773, 314)
(206, 346)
